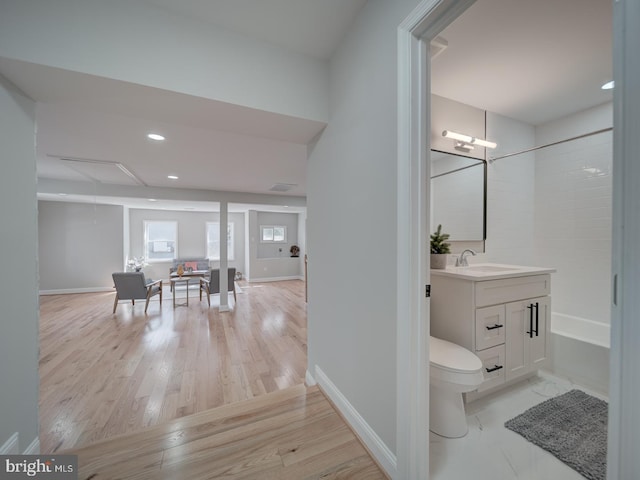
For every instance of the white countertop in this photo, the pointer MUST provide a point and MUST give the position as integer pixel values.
(490, 271)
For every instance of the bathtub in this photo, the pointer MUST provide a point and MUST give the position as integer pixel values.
(580, 351)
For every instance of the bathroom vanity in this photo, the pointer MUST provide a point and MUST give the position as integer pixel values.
(499, 312)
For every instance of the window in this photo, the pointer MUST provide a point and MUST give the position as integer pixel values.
(273, 234)
(213, 241)
(160, 239)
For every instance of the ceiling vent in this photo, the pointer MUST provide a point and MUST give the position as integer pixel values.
(282, 187)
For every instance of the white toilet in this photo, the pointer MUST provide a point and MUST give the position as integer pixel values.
(454, 370)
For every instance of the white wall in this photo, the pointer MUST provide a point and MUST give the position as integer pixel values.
(264, 261)
(447, 114)
(143, 44)
(80, 246)
(192, 237)
(573, 213)
(277, 250)
(352, 219)
(19, 321)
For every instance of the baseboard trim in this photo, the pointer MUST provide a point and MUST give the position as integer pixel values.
(63, 291)
(374, 444)
(308, 379)
(33, 448)
(10, 447)
(273, 279)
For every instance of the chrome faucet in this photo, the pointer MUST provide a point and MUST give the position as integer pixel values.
(461, 261)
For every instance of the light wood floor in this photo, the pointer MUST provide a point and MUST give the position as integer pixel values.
(291, 434)
(104, 374)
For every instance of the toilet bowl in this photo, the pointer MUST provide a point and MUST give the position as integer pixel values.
(453, 371)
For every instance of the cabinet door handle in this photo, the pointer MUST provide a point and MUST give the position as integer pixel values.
(493, 369)
(531, 329)
(494, 326)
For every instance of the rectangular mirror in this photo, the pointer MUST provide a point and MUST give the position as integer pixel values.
(458, 196)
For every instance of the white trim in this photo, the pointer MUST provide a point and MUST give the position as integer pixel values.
(63, 291)
(274, 279)
(384, 456)
(308, 379)
(10, 447)
(624, 389)
(423, 24)
(33, 448)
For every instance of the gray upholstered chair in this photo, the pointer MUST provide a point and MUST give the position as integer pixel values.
(133, 286)
(211, 285)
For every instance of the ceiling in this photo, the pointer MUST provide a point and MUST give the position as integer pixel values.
(310, 27)
(531, 61)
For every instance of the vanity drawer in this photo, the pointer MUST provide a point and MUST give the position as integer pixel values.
(490, 327)
(492, 292)
(493, 367)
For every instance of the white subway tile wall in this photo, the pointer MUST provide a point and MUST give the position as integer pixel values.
(573, 214)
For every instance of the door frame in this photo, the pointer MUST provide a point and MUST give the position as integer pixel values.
(414, 35)
(624, 386)
(414, 164)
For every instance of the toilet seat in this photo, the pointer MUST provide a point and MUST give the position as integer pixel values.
(453, 366)
(451, 357)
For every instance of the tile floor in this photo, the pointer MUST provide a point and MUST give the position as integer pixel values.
(490, 451)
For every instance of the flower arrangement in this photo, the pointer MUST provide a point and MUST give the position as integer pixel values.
(136, 264)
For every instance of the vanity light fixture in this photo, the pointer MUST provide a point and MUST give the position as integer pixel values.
(464, 147)
(155, 136)
(467, 142)
(608, 85)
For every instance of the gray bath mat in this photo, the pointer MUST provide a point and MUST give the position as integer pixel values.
(572, 427)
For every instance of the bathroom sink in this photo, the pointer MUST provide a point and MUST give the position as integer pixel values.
(489, 268)
(490, 271)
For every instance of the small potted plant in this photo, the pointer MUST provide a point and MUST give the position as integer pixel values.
(439, 249)
(294, 251)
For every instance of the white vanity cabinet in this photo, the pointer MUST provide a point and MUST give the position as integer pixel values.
(502, 316)
(527, 342)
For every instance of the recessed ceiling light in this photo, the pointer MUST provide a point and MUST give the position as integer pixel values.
(155, 136)
(152, 199)
(172, 177)
(608, 85)
(63, 194)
